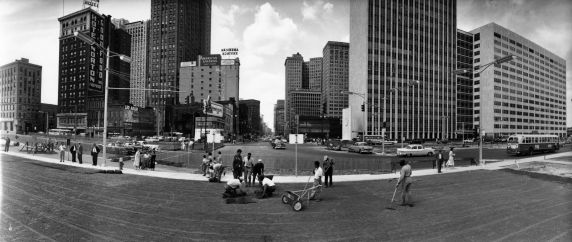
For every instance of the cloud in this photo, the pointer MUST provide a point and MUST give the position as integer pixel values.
(316, 10)
(223, 31)
(269, 33)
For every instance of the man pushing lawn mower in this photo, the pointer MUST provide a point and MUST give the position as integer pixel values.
(405, 183)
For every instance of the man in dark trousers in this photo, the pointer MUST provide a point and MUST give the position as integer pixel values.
(237, 164)
(439, 160)
(328, 166)
(405, 183)
(7, 146)
(258, 170)
(94, 153)
(79, 153)
(72, 151)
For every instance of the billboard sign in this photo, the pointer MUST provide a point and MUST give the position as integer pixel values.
(229, 51)
(210, 60)
(216, 110)
(227, 62)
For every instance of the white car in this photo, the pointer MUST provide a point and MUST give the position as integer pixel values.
(415, 150)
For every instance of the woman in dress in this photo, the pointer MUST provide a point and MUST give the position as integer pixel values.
(451, 161)
(137, 160)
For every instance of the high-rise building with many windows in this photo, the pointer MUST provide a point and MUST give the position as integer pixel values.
(21, 89)
(279, 117)
(139, 62)
(395, 44)
(314, 73)
(180, 31)
(525, 95)
(335, 78)
(82, 67)
(464, 85)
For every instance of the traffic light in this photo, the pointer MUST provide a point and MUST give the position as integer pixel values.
(363, 107)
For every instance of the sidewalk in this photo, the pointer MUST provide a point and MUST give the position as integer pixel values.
(169, 172)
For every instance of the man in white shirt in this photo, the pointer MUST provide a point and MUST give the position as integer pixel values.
(233, 188)
(268, 186)
(318, 173)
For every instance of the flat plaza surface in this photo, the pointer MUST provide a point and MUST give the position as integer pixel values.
(43, 201)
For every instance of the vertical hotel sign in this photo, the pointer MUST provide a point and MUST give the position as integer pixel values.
(96, 56)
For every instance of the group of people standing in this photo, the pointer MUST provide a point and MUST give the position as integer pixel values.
(144, 160)
(246, 168)
(440, 158)
(211, 166)
(76, 151)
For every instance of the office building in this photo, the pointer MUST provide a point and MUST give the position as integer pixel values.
(82, 67)
(139, 32)
(180, 31)
(335, 78)
(209, 76)
(525, 95)
(249, 113)
(279, 117)
(314, 73)
(305, 102)
(394, 45)
(21, 88)
(293, 75)
(464, 85)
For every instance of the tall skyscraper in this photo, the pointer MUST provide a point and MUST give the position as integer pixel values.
(21, 89)
(82, 69)
(293, 71)
(394, 44)
(335, 78)
(525, 95)
(279, 117)
(314, 73)
(464, 84)
(139, 62)
(209, 76)
(180, 31)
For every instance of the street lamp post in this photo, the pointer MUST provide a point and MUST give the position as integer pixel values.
(85, 38)
(484, 67)
(383, 130)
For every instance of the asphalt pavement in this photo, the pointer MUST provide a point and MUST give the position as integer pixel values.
(47, 201)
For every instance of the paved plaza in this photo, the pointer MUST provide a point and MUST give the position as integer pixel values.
(47, 201)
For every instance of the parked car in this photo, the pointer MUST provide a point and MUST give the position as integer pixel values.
(280, 145)
(468, 141)
(415, 150)
(360, 147)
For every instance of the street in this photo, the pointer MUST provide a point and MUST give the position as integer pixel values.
(44, 201)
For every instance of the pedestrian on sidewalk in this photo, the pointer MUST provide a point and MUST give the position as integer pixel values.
(191, 144)
(218, 158)
(237, 164)
(248, 164)
(318, 173)
(79, 153)
(451, 161)
(94, 153)
(62, 150)
(73, 151)
(137, 159)
(405, 182)
(7, 145)
(205, 165)
(183, 145)
(328, 165)
(153, 157)
(439, 159)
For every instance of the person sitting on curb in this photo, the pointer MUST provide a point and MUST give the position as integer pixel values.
(233, 188)
(268, 186)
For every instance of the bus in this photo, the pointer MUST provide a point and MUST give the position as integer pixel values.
(526, 144)
(63, 132)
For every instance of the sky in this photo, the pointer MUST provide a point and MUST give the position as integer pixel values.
(266, 32)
